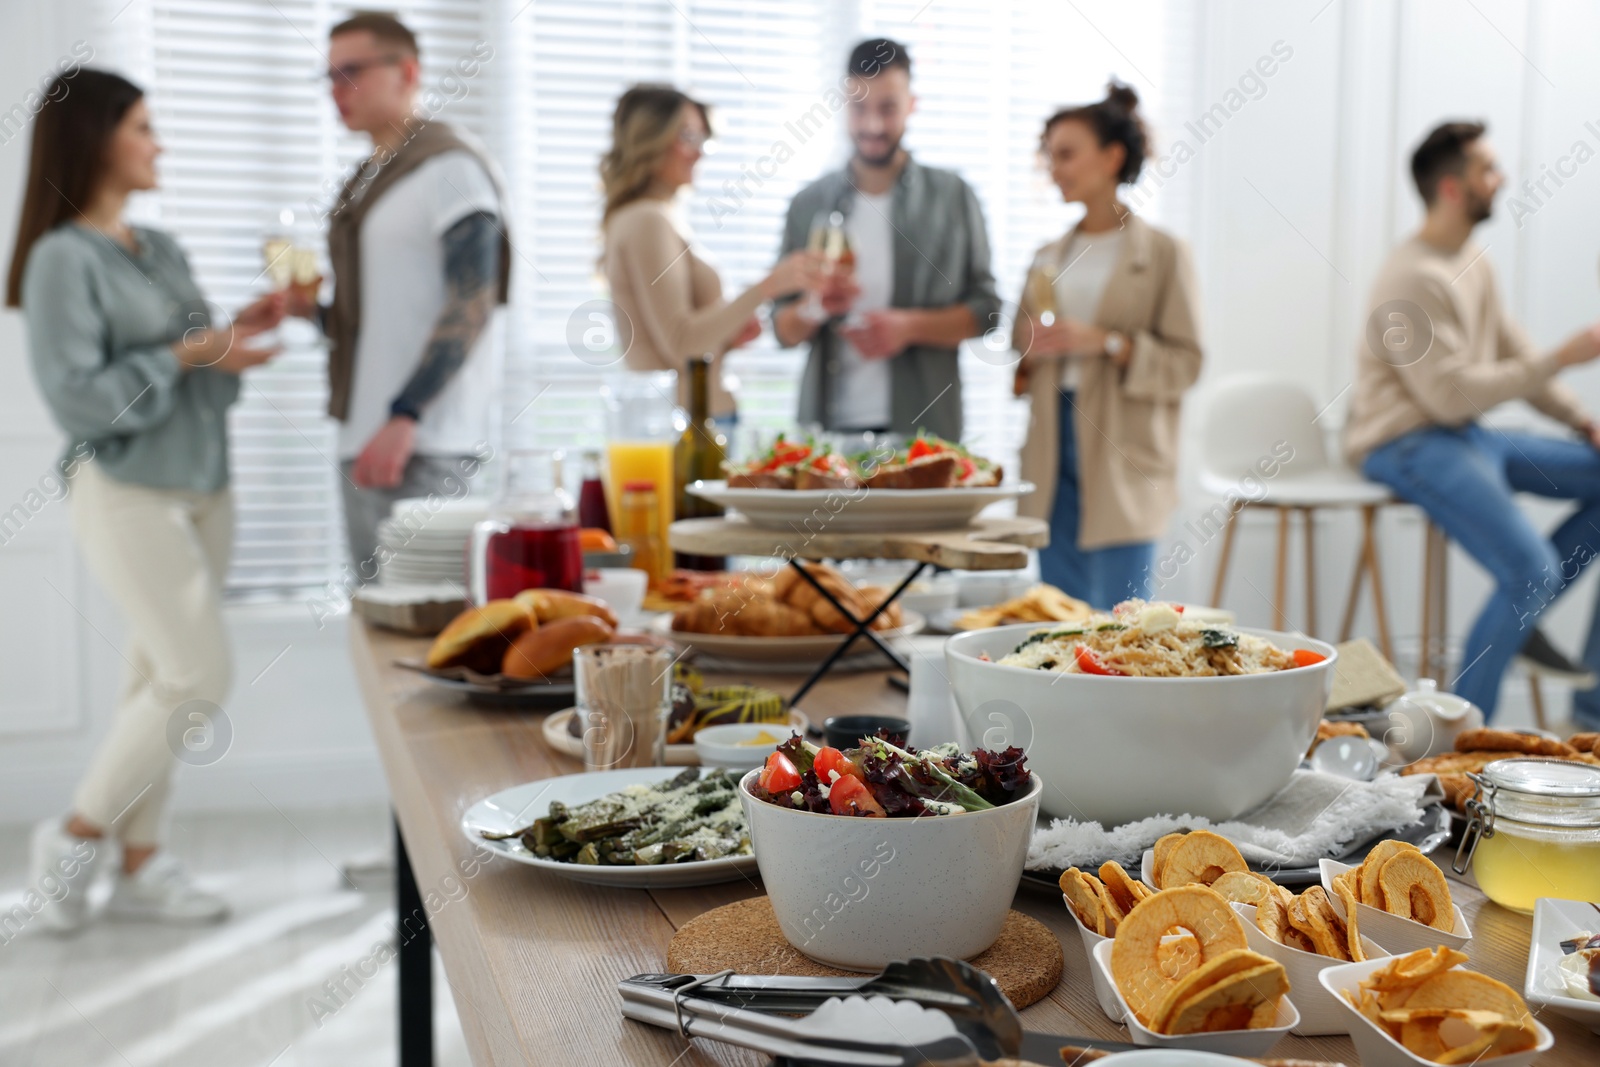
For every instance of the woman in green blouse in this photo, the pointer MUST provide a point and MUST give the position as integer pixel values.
(139, 379)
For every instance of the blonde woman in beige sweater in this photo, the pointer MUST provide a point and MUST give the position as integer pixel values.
(668, 300)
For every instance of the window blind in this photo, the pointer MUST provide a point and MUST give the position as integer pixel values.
(253, 145)
(237, 98)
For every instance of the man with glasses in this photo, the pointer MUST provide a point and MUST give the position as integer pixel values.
(418, 245)
(1438, 353)
(885, 338)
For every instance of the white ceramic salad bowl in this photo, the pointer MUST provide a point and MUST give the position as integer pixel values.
(859, 893)
(1113, 750)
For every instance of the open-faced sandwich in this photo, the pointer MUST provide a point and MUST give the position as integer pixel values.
(794, 465)
(929, 463)
(933, 463)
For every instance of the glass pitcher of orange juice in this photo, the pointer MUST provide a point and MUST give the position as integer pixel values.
(643, 424)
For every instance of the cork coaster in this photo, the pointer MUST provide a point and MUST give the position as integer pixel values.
(744, 935)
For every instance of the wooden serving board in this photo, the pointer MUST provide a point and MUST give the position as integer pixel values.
(986, 545)
(1026, 960)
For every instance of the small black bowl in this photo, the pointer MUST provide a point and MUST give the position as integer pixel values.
(846, 731)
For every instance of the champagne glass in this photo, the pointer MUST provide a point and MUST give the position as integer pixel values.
(827, 239)
(1042, 293)
(289, 263)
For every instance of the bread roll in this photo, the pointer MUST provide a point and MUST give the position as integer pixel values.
(552, 604)
(548, 649)
(478, 637)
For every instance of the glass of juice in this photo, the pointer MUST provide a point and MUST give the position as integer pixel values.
(529, 540)
(643, 424)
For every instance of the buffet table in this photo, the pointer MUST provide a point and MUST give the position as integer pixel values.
(533, 961)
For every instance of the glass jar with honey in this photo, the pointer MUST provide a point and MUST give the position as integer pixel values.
(1533, 831)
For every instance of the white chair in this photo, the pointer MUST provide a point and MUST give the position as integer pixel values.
(1248, 420)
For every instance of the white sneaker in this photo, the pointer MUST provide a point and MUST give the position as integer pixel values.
(61, 866)
(162, 892)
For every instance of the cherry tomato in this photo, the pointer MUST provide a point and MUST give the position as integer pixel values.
(1179, 608)
(848, 796)
(919, 448)
(967, 467)
(831, 759)
(1304, 657)
(1089, 663)
(779, 775)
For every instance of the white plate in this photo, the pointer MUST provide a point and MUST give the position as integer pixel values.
(810, 649)
(1226, 1042)
(512, 809)
(559, 737)
(1555, 921)
(858, 510)
(1394, 933)
(1375, 1048)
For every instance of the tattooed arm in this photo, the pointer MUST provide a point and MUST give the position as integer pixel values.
(472, 272)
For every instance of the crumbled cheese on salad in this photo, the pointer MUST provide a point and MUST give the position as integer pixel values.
(798, 797)
(833, 776)
(1156, 617)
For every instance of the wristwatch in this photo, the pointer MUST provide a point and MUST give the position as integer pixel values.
(1116, 344)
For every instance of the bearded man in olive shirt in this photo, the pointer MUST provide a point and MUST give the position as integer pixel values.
(1439, 353)
(885, 341)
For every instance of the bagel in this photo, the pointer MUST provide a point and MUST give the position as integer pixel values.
(478, 637)
(541, 652)
(1488, 739)
(548, 605)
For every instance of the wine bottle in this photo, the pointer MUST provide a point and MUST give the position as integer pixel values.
(701, 452)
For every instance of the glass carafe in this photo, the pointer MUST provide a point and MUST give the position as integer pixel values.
(529, 540)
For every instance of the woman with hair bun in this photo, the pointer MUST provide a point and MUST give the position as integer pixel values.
(1109, 334)
(668, 299)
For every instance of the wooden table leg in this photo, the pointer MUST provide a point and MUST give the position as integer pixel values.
(1308, 516)
(1357, 575)
(1369, 522)
(1425, 648)
(415, 1002)
(1229, 529)
(1280, 590)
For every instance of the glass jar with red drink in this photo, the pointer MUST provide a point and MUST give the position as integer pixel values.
(529, 540)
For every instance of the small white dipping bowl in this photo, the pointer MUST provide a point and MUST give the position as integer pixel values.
(861, 893)
(1113, 750)
(722, 746)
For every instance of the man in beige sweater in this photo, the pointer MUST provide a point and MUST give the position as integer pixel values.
(1439, 352)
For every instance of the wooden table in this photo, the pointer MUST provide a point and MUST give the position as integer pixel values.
(533, 961)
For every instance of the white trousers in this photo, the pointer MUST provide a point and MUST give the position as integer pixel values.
(162, 555)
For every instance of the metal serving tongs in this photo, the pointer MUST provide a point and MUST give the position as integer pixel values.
(968, 1004)
(856, 1031)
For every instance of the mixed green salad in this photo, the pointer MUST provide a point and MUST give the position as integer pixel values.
(880, 779)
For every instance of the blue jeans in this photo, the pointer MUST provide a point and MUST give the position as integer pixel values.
(1102, 576)
(1464, 479)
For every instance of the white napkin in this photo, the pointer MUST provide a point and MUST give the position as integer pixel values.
(1315, 816)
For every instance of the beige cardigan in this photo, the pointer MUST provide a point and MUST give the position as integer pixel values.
(1465, 354)
(668, 300)
(1126, 417)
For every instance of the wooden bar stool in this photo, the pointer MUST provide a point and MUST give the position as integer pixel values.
(1252, 426)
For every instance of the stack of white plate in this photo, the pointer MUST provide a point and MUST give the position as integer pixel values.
(422, 542)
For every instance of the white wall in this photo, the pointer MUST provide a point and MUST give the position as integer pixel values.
(300, 736)
(1304, 191)
(1295, 201)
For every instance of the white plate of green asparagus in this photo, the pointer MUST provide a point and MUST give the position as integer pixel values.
(639, 828)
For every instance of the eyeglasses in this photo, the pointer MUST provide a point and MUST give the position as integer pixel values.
(347, 73)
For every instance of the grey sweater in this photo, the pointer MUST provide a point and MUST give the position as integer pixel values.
(101, 320)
